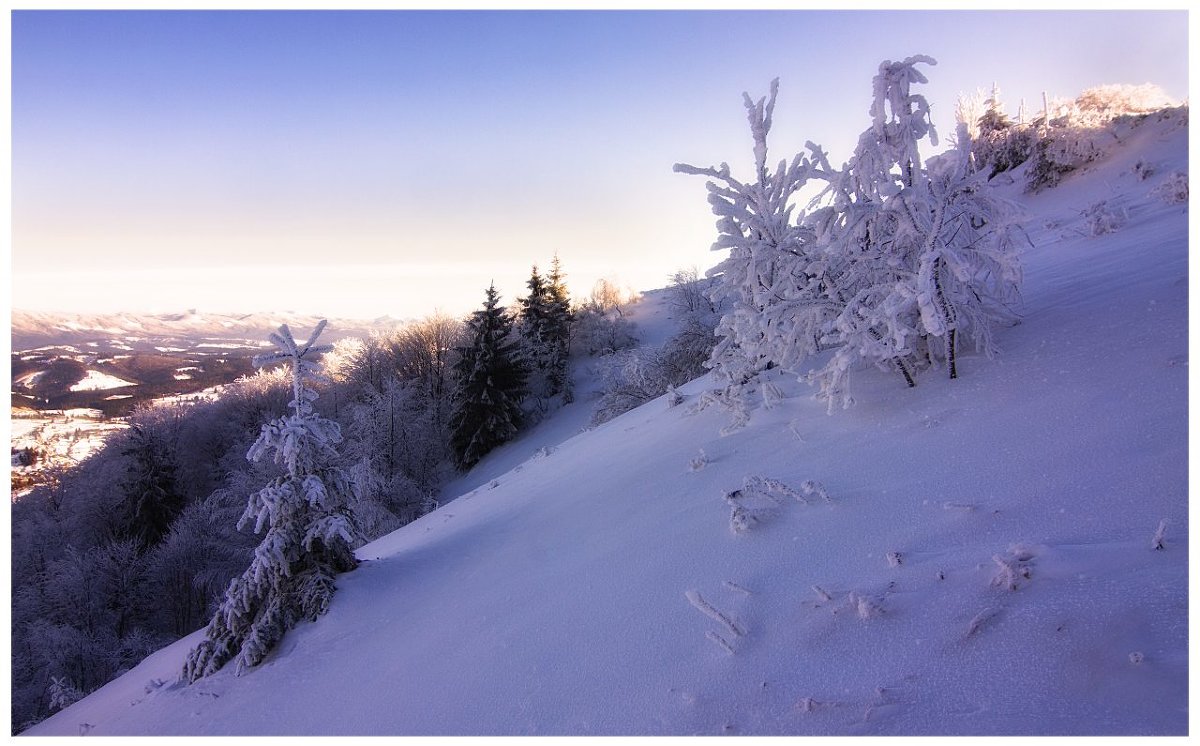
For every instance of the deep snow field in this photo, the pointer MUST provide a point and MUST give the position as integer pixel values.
(983, 563)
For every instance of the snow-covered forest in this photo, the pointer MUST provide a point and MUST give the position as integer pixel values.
(911, 459)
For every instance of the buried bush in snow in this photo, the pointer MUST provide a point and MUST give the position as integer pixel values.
(1173, 190)
(1103, 218)
(760, 499)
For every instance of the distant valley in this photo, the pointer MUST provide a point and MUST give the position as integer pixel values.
(113, 362)
(74, 378)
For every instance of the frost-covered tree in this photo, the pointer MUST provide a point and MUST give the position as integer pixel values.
(997, 143)
(490, 378)
(309, 531)
(599, 325)
(893, 262)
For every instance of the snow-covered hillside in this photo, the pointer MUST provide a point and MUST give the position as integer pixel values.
(984, 563)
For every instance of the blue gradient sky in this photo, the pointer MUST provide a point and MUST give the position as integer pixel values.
(369, 163)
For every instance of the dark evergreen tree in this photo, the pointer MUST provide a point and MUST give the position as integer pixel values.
(545, 327)
(489, 380)
(559, 330)
(153, 497)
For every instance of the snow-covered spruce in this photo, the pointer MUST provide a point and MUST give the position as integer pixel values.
(309, 530)
(896, 263)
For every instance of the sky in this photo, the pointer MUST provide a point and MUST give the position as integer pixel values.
(370, 163)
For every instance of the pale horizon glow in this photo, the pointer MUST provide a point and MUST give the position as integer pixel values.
(361, 164)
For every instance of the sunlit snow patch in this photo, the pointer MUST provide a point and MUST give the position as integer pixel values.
(95, 380)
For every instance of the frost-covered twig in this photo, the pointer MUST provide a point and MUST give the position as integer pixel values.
(719, 640)
(735, 587)
(698, 601)
(979, 620)
(1012, 569)
(813, 487)
(1159, 540)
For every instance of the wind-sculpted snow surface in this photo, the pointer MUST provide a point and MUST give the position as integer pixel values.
(556, 602)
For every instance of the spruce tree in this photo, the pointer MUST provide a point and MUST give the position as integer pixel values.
(545, 327)
(489, 380)
(558, 330)
(309, 531)
(153, 495)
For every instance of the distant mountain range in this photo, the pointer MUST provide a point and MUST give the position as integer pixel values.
(32, 329)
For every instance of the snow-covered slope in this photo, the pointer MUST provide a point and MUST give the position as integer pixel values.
(984, 564)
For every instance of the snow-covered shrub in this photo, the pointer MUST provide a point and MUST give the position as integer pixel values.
(761, 498)
(1173, 189)
(1076, 132)
(309, 530)
(1105, 103)
(628, 380)
(62, 693)
(1064, 148)
(602, 332)
(894, 260)
(997, 143)
(1103, 218)
(631, 378)
(1143, 170)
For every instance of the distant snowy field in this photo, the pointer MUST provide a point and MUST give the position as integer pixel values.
(984, 563)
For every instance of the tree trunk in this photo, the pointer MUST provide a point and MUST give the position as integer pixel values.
(947, 316)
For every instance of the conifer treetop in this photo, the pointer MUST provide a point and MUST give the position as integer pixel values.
(303, 368)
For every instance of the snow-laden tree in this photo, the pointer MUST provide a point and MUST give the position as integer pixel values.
(490, 378)
(893, 263)
(309, 531)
